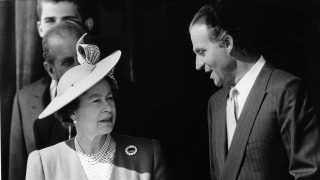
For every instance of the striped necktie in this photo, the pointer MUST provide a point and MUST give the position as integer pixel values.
(231, 114)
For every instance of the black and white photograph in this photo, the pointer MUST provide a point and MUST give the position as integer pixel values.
(160, 89)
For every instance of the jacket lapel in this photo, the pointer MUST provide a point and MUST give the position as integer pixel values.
(220, 128)
(39, 98)
(246, 121)
(73, 168)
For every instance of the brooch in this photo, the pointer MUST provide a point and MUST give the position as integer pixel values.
(131, 150)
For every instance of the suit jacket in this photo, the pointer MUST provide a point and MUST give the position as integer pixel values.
(277, 135)
(49, 131)
(29, 102)
(61, 161)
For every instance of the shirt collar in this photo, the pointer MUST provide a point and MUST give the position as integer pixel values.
(246, 82)
(53, 89)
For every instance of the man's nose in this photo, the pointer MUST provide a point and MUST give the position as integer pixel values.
(199, 63)
(58, 21)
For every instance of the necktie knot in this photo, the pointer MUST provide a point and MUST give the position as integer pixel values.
(233, 93)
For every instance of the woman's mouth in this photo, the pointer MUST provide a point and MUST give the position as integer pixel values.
(106, 120)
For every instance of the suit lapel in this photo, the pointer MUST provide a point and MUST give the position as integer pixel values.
(39, 98)
(73, 167)
(246, 121)
(220, 128)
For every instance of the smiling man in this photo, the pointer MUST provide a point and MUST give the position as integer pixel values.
(262, 123)
(214, 57)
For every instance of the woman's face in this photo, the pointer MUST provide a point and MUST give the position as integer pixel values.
(97, 112)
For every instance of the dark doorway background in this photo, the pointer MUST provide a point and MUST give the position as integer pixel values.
(156, 72)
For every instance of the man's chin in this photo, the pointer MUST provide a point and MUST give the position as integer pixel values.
(217, 82)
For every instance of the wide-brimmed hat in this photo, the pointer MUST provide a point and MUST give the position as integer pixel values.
(79, 79)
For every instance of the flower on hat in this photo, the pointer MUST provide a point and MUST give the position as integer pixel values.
(90, 54)
(87, 53)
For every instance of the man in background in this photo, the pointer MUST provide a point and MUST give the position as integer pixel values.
(32, 99)
(51, 12)
(59, 52)
(262, 123)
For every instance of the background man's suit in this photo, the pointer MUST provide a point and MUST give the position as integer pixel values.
(28, 104)
(277, 134)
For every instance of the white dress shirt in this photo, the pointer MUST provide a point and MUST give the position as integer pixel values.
(245, 84)
(53, 89)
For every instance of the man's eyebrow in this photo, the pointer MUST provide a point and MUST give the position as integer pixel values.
(49, 18)
(69, 17)
(196, 50)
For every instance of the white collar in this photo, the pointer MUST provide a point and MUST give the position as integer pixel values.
(245, 84)
(53, 89)
(247, 81)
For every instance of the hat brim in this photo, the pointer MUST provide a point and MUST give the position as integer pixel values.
(101, 69)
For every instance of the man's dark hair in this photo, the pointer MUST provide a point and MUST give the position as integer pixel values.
(64, 113)
(222, 19)
(85, 7)
(67, 29)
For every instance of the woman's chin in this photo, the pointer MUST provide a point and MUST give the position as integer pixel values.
(105, 128)
(108, 130)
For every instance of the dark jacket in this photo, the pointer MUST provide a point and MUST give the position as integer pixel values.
(277, 135)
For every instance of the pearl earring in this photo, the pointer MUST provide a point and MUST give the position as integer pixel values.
(73, 117)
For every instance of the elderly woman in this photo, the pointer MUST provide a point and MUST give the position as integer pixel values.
(85, 99)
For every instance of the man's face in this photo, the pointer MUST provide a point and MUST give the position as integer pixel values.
(211, 56)
(63, 52)
(53, 13)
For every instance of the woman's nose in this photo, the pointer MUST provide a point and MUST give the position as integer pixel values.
(107, 107)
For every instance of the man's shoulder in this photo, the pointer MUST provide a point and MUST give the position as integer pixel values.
(280, 79)
(35, 87)
(281, 75)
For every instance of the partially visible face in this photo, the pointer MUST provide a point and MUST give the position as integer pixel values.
(211, 56)
(53, 13)
(62, 50)
(97, 112)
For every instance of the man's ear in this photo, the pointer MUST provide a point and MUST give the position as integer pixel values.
(228, 41)
(40, 31)
(89, 23)
(51, 71)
